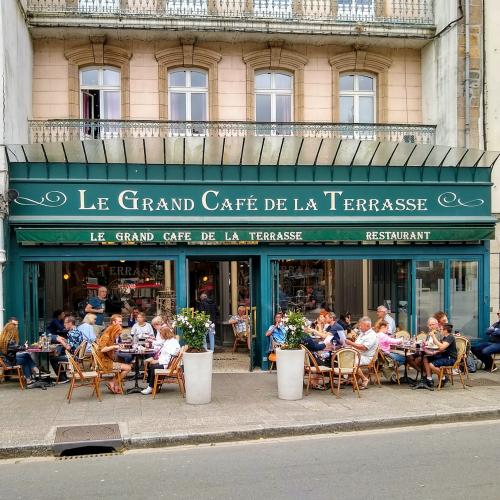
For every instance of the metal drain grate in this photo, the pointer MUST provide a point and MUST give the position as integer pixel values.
(481, 382)
(87, 436)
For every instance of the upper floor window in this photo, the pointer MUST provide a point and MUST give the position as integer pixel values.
(274, 98)
(356, 98)
(187, 95)
(272, 8)
(99, 96)
(355, 9)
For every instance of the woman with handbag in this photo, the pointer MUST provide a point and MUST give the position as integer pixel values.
(12, 353)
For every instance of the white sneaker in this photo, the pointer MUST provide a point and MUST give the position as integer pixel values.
(147, 391)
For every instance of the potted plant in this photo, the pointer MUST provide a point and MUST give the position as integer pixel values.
(197, 360)
(290, 357)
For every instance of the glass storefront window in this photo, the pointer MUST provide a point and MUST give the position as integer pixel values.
(429, 290)
(464, 305)
(146, 285)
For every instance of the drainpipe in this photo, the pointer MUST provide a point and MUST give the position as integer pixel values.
(467, 73)
(3, 216)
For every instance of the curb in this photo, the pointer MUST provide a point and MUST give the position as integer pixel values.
(333, 427)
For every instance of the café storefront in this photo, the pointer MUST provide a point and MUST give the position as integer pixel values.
(286, 223)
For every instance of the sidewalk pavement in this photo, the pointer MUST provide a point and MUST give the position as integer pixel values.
(244, 406)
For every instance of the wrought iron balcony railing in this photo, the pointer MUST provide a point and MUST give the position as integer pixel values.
(418, 12)
(43, 131)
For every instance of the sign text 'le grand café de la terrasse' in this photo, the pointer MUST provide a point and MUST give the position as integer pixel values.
(249, 213)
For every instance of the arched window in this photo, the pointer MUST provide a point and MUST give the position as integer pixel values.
(357, 98)
(187, 94)
(274, 98)
(99, 97)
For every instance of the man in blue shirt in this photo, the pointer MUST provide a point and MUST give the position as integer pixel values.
(70, 344)
(97, 306)
(277, 331)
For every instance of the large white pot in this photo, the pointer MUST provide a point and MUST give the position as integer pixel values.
(198, 376)
(290, 368)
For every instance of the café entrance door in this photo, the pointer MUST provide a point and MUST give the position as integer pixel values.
(225, 285)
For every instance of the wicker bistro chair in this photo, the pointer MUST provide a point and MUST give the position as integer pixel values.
(272, 355)
(80, 378)
(495, 358)
(174, 374)
(345, 361)
(311, 368)
(103, 373)
(241, 337)
(448, 370)
(17, 372)
(420, 336)
(372, 368)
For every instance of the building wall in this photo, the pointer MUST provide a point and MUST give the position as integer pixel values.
(51, 88)
(492, 115)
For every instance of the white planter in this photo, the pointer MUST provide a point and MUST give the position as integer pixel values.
(290, 368)
(198, 377)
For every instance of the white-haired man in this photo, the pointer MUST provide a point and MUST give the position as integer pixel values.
(366, 343)
(383, 313)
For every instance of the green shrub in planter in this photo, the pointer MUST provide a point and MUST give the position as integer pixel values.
(194, 327)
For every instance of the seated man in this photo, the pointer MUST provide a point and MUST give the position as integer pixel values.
(71, 343)
(366, 343)
(415, 360)
(484, 350)
(277, 330)
(446, 355)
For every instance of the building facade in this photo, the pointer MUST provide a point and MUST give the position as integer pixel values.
(271, 154)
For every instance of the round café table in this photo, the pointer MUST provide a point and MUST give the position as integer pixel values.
(137, 354)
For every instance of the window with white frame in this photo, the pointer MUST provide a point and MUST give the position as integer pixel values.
(272, 8)
(188, 97)
(357, 98)
(274, 99)
(356, 10)
(100, 98)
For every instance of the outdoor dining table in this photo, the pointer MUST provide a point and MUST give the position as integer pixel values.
(137, 354)
(406, 348)
(43, 352)
(424, 351)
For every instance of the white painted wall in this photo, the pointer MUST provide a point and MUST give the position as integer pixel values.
(16, 63)
(492, 112)
(439, 76)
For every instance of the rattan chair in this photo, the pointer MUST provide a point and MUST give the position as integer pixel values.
(311, 368)
(174, 374)
(101, 370)
(495, 358)
(345, 361)
(17, 372)
(420, 336)
(241, 337)
(448, 370)
(272, 355)
(80, 378)
(372, 368)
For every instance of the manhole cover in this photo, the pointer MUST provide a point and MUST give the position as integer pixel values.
(85, 436)
(477, 382)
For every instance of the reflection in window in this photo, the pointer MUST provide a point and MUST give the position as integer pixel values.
(430, 290)
(273, 101)
(357, 98)
(188, 99)
(100, 100)
(464, 296)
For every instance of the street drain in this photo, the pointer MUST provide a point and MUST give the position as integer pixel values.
(88, 452)
(87, 439)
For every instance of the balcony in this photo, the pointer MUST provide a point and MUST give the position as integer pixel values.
(398, 18)
(45, 131)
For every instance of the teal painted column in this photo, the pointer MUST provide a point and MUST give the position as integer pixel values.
(265, 287)
(181, 277)
(484, 291)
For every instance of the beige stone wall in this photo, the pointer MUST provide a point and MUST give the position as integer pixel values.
(52, 96)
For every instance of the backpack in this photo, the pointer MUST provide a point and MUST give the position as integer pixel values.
(470, 360)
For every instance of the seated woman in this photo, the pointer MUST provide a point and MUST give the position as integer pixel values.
(171, 347)
(9, 343)
(241, 323)
(157, 322)
(141, 329)
(87, 329)
(384, 342)
(107, 346)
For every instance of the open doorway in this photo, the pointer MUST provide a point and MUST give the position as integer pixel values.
(223, 289)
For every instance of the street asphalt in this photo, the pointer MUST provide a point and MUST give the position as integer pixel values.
(244, 406)
(439, 461)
